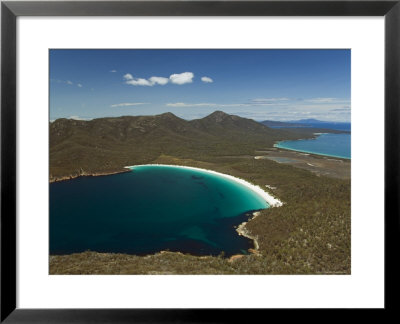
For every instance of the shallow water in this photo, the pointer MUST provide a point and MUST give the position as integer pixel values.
(150, 209)
(336, 145)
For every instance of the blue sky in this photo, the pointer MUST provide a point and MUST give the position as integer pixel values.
(258, 84)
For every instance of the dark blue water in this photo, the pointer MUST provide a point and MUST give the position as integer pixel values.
(151, 209)
(335, 145)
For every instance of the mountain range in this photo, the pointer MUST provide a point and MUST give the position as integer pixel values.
(106, 145)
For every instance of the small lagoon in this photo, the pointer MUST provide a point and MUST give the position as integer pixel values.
(150, 209)
(335, 145)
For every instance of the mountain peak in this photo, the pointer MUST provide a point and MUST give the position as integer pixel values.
(168, 115)
(218, 113)
(218, 116)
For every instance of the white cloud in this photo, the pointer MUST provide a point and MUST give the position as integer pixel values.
(207, 79)
(139, 82)
(79, 85)
(182, 78)
(126, 104)
(128, 76)
(69, 82)
(145, 82)
(159, 80)
(113, 71)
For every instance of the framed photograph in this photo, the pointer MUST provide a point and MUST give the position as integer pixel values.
(163, 159)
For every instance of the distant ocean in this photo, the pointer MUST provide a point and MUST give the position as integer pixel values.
(150, 209)
(327, 125)
(335, 145)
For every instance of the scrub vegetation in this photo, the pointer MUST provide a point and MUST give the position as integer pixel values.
(309, 234)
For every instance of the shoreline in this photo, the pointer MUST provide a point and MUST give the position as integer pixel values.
(316, 135)
(272, 201)
(96, 174)
(242, 231)
(309, 152)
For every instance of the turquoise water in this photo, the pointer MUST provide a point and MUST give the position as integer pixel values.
(150, 209)
(336, 145)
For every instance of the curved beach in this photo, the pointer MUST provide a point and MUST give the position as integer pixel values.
(272, 201)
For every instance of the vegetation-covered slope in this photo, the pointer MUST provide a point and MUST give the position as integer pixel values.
(106, 145)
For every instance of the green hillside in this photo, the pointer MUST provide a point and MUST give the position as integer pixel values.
(108, 144)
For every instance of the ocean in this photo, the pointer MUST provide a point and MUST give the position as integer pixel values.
(326, 125)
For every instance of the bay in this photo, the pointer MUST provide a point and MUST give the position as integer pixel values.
(150, 209)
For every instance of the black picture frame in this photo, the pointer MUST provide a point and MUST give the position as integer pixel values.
(10, 10)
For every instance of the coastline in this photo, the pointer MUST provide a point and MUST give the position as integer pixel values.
(272, 201)
(74, 176)
(309, 152)
(316, 135)
(241, 229)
